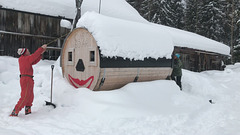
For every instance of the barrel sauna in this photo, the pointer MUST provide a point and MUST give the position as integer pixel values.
(83, 65)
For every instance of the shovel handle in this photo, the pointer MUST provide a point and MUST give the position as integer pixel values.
(56, 39)
(52, 66)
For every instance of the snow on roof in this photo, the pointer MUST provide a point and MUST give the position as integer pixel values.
(238, 21)
(134, 40)
(179, 38)
(113, 8)
(127, 39)
(187, 39)
(67, 8)
(64, 8)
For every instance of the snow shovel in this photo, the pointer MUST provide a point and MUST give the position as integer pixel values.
(50, 103)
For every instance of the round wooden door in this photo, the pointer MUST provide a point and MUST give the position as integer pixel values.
(80, 59)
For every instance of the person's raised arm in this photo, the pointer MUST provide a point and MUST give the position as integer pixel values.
(37, 55)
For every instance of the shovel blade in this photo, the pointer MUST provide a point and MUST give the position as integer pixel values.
(50, 103)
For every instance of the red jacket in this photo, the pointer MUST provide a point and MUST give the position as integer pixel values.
(26, 62)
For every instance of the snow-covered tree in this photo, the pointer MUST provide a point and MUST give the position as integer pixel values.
(167, 16)
(211, 19)
(236, 31)
(232, 27)
(191, 18)
(179, 17)
(166, 12)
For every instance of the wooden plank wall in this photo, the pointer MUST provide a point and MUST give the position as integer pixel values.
(23, 29)
(196, 60)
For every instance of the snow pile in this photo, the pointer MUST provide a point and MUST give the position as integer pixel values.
(156, 108)
(127, 39)
(66, 24)
(234, 67)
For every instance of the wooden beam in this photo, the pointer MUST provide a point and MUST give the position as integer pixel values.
(27, 35)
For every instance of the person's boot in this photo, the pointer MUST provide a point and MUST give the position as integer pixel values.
(14, 113)
(27, 110)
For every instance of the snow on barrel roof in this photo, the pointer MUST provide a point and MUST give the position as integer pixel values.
(179, 37)
(127, 39)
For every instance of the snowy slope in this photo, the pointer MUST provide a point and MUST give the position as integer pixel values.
(148, 108)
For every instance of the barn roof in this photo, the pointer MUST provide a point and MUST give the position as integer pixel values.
(128, 39)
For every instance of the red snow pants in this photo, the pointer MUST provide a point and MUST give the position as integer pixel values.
(27, 96)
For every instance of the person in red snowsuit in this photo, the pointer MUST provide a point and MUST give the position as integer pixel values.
(26, 60)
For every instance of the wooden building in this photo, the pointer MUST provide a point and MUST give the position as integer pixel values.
(198, 53)
(30, 30)
(199, 60)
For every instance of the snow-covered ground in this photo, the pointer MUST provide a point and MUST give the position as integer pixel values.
(146, 108)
